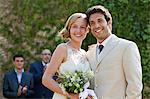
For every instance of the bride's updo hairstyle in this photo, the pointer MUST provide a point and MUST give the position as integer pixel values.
(65, 32)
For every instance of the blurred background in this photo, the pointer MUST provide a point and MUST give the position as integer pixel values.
(28, 26)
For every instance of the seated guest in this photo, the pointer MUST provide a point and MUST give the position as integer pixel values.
(17, 83)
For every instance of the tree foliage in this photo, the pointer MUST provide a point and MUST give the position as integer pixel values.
(28, 26)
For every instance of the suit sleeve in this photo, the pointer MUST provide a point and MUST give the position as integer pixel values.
(132, 71)
(91, 80)
(36, 75)
(6, 90)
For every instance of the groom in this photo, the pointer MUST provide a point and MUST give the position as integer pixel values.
(115, 61)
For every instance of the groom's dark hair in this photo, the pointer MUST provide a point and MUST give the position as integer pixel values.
(98, 9)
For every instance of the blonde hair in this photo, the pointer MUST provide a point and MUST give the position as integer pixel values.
(65, 32)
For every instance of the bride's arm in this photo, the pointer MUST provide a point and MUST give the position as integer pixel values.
(58, 57)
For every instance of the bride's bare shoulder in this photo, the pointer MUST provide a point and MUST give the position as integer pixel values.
(61, 47)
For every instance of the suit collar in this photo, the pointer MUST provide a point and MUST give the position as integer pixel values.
(105, 41)
(18, 72)
(23, 78)
(44, 64)
(107, 49)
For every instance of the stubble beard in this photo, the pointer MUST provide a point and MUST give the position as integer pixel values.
(103, 35)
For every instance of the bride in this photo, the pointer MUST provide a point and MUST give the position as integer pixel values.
(68, 56)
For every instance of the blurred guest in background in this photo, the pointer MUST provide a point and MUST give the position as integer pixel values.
(17, 83)
(37, 69)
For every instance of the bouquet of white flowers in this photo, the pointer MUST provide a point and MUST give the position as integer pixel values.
(73, 82)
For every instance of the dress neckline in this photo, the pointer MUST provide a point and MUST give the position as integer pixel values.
(72, 48)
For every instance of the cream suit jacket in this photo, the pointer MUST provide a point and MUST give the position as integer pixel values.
(118, 73)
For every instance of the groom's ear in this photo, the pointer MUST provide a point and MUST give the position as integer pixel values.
(88, 29)
(110, 24)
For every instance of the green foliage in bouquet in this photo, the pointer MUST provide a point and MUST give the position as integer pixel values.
(73, 82)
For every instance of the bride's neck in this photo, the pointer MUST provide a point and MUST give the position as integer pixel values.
(75, 45)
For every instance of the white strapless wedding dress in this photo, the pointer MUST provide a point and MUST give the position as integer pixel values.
(76, 60)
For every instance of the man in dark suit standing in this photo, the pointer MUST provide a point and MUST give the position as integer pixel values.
(37, 69)
(17, 83)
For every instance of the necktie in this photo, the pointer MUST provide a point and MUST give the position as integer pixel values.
(100, 48)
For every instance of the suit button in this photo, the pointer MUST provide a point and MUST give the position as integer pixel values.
(96, 85)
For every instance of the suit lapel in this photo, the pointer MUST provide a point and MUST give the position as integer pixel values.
(15, 80)
(14, 76)
(107, 49)
(41, 66)
(23, 79)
